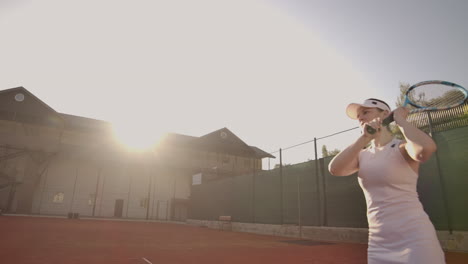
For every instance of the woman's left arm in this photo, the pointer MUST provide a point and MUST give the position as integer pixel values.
(419, 145)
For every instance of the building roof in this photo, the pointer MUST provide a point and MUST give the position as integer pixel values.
(261, 154)
(84, 123)
(20, 105)
(221, 141)
(18, 98)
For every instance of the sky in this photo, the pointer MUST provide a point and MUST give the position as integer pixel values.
(276, 73)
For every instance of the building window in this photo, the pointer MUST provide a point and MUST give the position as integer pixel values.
(58, 197)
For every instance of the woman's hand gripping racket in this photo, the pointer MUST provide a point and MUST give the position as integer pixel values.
(430, 96)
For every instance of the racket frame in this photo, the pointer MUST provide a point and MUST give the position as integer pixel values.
(419, 108)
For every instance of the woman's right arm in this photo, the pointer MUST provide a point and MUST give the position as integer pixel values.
(347, 161)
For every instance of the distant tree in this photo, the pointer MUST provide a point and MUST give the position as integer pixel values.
(401, 98)
(334, 152)
(284, 165)
(326, 153)
(399, 102)
(451, 97)
(446, 98)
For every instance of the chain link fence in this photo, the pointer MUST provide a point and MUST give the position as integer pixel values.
(305, 194)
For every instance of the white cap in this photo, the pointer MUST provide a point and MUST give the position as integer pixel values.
(352, 109)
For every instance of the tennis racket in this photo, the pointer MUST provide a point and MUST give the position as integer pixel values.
(430, 96)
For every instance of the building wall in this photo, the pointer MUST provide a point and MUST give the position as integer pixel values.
(92, 189)
(203, 160)
(71, 171)
(58, 178)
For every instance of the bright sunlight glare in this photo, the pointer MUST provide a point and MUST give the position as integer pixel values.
(249, 57)
(189, 69)
(136, 136)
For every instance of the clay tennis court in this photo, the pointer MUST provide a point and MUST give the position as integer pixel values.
(66, 241)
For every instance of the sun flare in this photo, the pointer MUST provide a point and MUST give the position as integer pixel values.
(136, 137)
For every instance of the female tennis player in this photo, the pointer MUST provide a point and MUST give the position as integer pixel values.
(399, 229)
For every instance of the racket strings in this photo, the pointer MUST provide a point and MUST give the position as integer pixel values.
(437, 96)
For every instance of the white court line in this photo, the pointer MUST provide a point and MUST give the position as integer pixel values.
(147, 261)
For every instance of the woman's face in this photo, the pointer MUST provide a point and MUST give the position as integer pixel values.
(365, 114)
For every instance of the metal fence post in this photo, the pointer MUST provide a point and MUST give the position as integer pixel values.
(441, 179)
(281, 184)
(324, 192)
(253, 196)
(319, 203)
(97, 190)
(299, 220)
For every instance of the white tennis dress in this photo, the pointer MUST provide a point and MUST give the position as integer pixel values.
(399, 229)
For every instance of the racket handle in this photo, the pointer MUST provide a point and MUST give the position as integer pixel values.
(385, 122)
(370, 130)
(388, 120)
